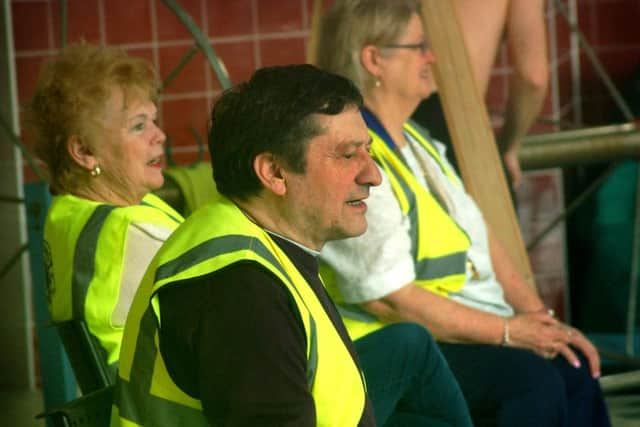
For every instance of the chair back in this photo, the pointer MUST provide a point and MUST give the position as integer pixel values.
(90, 410)
(87, 357)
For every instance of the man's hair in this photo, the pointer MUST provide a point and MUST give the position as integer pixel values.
(70, 99)
(273, 112)
(350, 25)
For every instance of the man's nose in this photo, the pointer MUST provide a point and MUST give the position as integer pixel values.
(370, 174)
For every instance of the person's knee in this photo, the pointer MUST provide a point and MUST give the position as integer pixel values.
(537, 394)
(416, 340)
(546, 387)
(578, 381)
(420, 350)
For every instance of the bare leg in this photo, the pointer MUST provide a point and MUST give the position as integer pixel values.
(482, 24)
(527, 47)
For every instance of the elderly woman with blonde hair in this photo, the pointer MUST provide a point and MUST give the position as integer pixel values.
(429, 257)
(94, 118)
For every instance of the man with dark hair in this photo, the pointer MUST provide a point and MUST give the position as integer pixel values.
(231, 324)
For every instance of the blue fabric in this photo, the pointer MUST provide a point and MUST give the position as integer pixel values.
(408, 381)
(508, 387)
(374, 124)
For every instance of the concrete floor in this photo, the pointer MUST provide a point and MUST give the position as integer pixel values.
(19, 407)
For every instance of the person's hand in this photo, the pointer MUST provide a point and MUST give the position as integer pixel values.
(512, 164)
(539, 332)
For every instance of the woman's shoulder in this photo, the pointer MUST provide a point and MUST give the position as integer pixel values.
(70, 209)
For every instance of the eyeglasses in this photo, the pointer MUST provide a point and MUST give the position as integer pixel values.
(422, 46)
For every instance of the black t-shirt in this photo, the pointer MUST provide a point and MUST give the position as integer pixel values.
(234, 339)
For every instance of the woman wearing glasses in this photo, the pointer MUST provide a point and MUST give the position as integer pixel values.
(429, 257)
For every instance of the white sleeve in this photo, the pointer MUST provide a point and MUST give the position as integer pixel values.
(378, 262)
(143, 241)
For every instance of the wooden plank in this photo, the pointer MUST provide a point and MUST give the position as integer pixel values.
(470, 130)
(314, 31)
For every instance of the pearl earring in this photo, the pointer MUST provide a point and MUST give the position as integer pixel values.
(96, 171)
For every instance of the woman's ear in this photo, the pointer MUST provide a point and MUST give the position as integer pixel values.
(80, 153)
(270, 172)
(370, 60)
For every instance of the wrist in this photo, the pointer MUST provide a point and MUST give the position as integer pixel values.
(506, 337)
(543, 309)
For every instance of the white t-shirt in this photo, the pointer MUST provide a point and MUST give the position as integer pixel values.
(379, 262)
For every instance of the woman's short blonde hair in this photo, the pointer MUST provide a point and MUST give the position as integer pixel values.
(70, 98)
(350, 25)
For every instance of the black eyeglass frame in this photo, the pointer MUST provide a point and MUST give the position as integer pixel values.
(423, 47)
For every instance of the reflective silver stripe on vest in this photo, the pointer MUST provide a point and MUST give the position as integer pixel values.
(84, 258)
(352, 311)
(135, 402)
(429, 268)
(232, 243)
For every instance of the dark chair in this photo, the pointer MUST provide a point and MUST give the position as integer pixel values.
(87, 357)
(90, 410)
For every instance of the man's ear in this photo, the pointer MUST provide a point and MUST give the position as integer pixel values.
(80, 153)
(270, 172)
(370, 60)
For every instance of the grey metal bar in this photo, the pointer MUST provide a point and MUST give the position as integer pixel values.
(202, 42)
(25, 153)
(588, 50)
(572, 207)
(11, 199)
(178, 68)
(582, 133)
(633, 276)
(63, 23)
(560, 149)
(13, 260)
(618, 382)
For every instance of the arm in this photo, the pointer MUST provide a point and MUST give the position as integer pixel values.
(522, 297)
(527, 47)
(451, 321)
(235, 341)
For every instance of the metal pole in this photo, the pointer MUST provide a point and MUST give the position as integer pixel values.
(572, 206)
(588, 50)
(633, 277)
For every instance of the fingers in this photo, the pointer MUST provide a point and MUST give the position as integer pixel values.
(554, 339)
(548, 337)
(580, 342)
(571, 357)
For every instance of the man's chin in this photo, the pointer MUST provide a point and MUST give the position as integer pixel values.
(354, 231)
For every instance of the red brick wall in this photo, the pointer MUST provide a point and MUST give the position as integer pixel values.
(246, 34)
(612, 28)
(251, 33)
